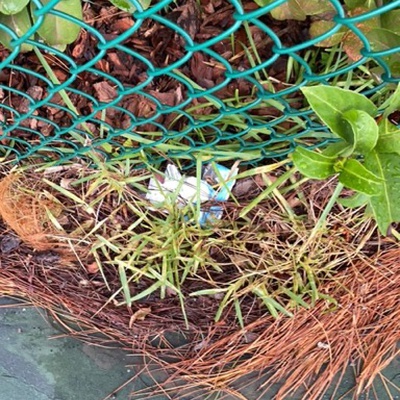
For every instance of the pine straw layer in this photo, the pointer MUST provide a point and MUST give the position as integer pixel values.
(307, 350)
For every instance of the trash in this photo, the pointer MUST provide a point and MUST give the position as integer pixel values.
(215, 185)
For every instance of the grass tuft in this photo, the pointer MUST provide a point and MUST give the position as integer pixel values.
(267, 254)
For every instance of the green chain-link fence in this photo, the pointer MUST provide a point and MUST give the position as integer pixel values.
(181, 78)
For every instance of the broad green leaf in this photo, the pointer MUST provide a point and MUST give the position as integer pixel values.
(57, 30)
(389, 138)
(393, 102)
(338, 149)
(393, 61)
(382, 39)
(126, 5)
(385, 39)
(313, 165)
(351, 4)
(20, 23)
(329, 103)
(263, 3)
(357, 177)
(299, 9)
(389, 143)
(391, 21)
(355, 201)
(318, 28)
(365, 130)
(386, 127)
(60, 47)
(10, 7)
(369, 213)
(314, 7)
(385, 205)
(288, 10)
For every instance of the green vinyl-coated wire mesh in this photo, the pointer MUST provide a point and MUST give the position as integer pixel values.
(180, 79)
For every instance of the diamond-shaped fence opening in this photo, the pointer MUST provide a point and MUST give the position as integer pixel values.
(219, 78)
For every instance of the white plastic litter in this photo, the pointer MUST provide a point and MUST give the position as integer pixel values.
(184, 189)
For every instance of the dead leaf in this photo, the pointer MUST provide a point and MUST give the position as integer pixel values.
(122, 24)
(202, 72)
(66, 183)
(244, 186)
(239, 259)
(139, 315)
(352, 46)
(36, 93)
(293, 201)
(63, 220)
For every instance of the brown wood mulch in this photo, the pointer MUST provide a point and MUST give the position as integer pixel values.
(162, 47)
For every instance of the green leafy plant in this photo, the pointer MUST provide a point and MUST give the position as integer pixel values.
(382, 31)
(20, 17)
(297, 9)
(366, 157)
(126, 5)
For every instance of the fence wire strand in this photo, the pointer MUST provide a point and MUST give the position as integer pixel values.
(173, 81)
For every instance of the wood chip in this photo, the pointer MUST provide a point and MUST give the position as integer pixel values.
(105, 92)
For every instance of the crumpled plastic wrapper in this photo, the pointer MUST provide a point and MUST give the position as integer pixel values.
(184, 189)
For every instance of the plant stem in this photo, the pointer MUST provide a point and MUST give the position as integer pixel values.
(69, 104)
(322, 219)
(327, 210)
(63, 93)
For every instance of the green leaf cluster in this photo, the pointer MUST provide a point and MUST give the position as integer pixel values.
(382, 30)
(56, 31)
(297, 9)
(366, 157)
(126, 5)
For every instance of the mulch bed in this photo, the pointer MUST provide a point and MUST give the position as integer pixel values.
(365, 324)
(162, 47)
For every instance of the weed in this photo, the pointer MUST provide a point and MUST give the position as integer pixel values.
(350, 116)
(127, 5)
(262, 256)
(379, 29)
